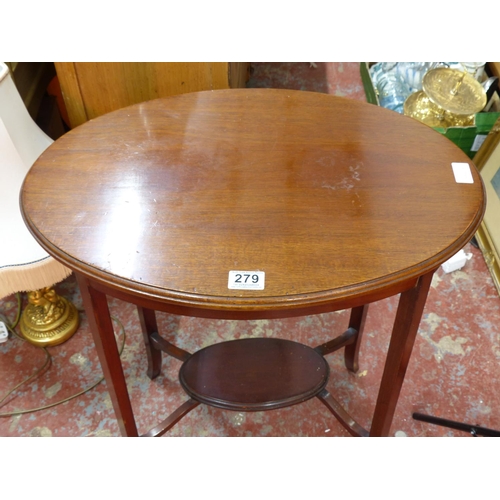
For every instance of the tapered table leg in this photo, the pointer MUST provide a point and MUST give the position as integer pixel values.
(147, 318)
(351, 352)
(410, 309)
(101, 326)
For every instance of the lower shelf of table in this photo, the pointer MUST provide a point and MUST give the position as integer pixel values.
(255, 374)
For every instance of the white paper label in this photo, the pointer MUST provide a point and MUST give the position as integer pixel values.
(462, 173)
(246, 280)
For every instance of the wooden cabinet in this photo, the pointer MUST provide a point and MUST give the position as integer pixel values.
(93, 89)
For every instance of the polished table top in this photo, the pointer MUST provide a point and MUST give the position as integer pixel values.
(331, 198)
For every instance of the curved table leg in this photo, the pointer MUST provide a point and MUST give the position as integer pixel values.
(101, 326)
(410, 309)
(172, 419)
(341, 415)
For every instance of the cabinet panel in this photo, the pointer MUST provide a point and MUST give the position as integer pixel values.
(93, 89)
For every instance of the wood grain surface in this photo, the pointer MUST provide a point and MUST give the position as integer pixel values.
(91, 89)
(332, 198)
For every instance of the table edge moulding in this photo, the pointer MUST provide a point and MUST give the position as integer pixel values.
(321, 203)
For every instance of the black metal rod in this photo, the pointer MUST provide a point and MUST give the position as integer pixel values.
(475, 430)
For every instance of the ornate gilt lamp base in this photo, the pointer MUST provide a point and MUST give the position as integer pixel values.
(48, 319)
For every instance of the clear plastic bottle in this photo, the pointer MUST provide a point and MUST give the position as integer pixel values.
(412, 73)
(392, 90)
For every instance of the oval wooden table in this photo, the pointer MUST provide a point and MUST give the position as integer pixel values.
(246, 204)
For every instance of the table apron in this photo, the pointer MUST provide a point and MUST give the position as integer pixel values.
(252, 312)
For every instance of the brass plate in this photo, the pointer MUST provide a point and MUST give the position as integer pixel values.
(455, 91)
(419, 106)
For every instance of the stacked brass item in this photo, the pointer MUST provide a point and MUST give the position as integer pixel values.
(449, 98)
(49, 319)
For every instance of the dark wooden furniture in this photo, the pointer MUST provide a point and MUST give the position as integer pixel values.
(339, 203)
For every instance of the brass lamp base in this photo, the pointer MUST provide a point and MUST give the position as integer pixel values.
(48, 319)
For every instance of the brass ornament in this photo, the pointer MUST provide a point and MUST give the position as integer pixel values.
(48, 319)
(455, 91)
(420, 107)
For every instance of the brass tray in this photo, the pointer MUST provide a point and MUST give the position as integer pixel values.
(419, 106)
(454, 90)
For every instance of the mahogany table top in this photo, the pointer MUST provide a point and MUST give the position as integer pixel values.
(331, 198)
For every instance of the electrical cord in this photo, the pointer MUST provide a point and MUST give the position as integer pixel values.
(48, 358)
(48, 361)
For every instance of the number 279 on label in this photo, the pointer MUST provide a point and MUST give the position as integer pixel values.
(246, 280)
